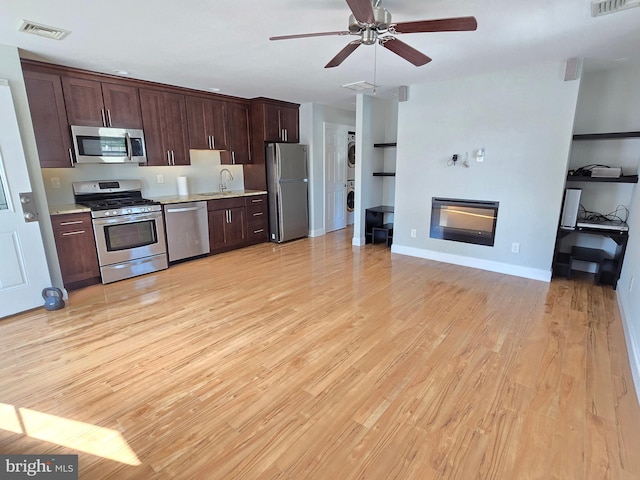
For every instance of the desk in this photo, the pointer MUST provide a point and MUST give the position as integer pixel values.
(608, 267)
(374, 217)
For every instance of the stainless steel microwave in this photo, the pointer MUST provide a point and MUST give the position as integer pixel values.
(108, 145)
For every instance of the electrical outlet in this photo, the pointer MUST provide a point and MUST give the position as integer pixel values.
(631, 283)
(55, 182)
(413, 233)
(515, 247)
(160, 178)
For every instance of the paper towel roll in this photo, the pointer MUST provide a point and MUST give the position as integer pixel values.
(183, 188)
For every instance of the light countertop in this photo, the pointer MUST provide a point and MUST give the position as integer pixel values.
(165, 200)
(70, 208)
(197, 197)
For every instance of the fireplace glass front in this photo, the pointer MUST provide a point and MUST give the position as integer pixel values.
(469, 221)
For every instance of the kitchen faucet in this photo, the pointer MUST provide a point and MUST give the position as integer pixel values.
(223, 185)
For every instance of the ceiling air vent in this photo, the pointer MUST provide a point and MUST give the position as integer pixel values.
(43, 30)
(611, 6)
(359, 86)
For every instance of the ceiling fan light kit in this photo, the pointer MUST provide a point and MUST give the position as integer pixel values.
(373, 24)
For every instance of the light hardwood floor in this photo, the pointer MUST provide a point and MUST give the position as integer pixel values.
(319, 360)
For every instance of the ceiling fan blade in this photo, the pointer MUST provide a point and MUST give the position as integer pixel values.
(458, 24)
(407, 52)
(362, 10)
(343, 54)
(306, 35)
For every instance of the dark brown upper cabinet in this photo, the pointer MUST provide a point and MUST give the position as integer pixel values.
(101, 104)
(164, 116)
(208, 128)
(276, 121)
(273, 121)
(49, 118)
(239, 150)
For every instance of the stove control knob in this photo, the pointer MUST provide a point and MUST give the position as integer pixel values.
(106, 214)
(115, 212)
(128, 210)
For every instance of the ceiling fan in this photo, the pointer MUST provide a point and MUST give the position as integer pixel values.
(372, 24)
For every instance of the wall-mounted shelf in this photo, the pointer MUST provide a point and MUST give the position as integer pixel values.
(384, 145)
(384, 174)
(606, 136)
(622, 179)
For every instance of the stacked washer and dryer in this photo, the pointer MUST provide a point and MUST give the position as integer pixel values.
(351, 177)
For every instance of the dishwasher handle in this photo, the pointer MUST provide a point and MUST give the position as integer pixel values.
(184, 209)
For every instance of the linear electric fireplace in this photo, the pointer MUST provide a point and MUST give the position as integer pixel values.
(469, 221)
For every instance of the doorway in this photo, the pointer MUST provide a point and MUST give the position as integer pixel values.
(336, 139)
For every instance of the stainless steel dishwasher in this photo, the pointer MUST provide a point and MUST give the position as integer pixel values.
(187, 226)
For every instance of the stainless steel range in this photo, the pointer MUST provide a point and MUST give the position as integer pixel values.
(129, 229)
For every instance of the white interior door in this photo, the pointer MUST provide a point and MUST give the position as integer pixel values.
(335, 155)
(23, 265)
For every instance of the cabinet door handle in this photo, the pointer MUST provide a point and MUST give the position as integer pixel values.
(71, 157)
(260, 230)
(286, 135)
(75, 222)
(258, 214)
(233, 157)
(173, 157)
(104, 120)
(230, 217)
(109, 117)
(210, 147)
(257, 201)
(79, 232)
(168, 157)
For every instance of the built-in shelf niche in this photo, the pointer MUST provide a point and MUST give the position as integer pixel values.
(384, 145)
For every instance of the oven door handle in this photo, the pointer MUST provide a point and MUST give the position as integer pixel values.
(133, 218)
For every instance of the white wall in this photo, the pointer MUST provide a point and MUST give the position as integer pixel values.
(523, 118)
(11, 70)
(312, 118)
(608, 102)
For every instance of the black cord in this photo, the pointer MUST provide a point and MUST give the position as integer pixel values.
(584, 214)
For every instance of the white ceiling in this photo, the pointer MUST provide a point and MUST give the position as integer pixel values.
(225, 43)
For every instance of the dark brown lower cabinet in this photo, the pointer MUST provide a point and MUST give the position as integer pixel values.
(76, 247)
(257, 219)
(227, 224)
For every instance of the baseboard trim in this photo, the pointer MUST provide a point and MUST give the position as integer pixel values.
(498, 267)
(357, 241)
(632, 344)
(317, 233)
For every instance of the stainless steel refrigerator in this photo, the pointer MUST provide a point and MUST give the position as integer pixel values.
(287, 184)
